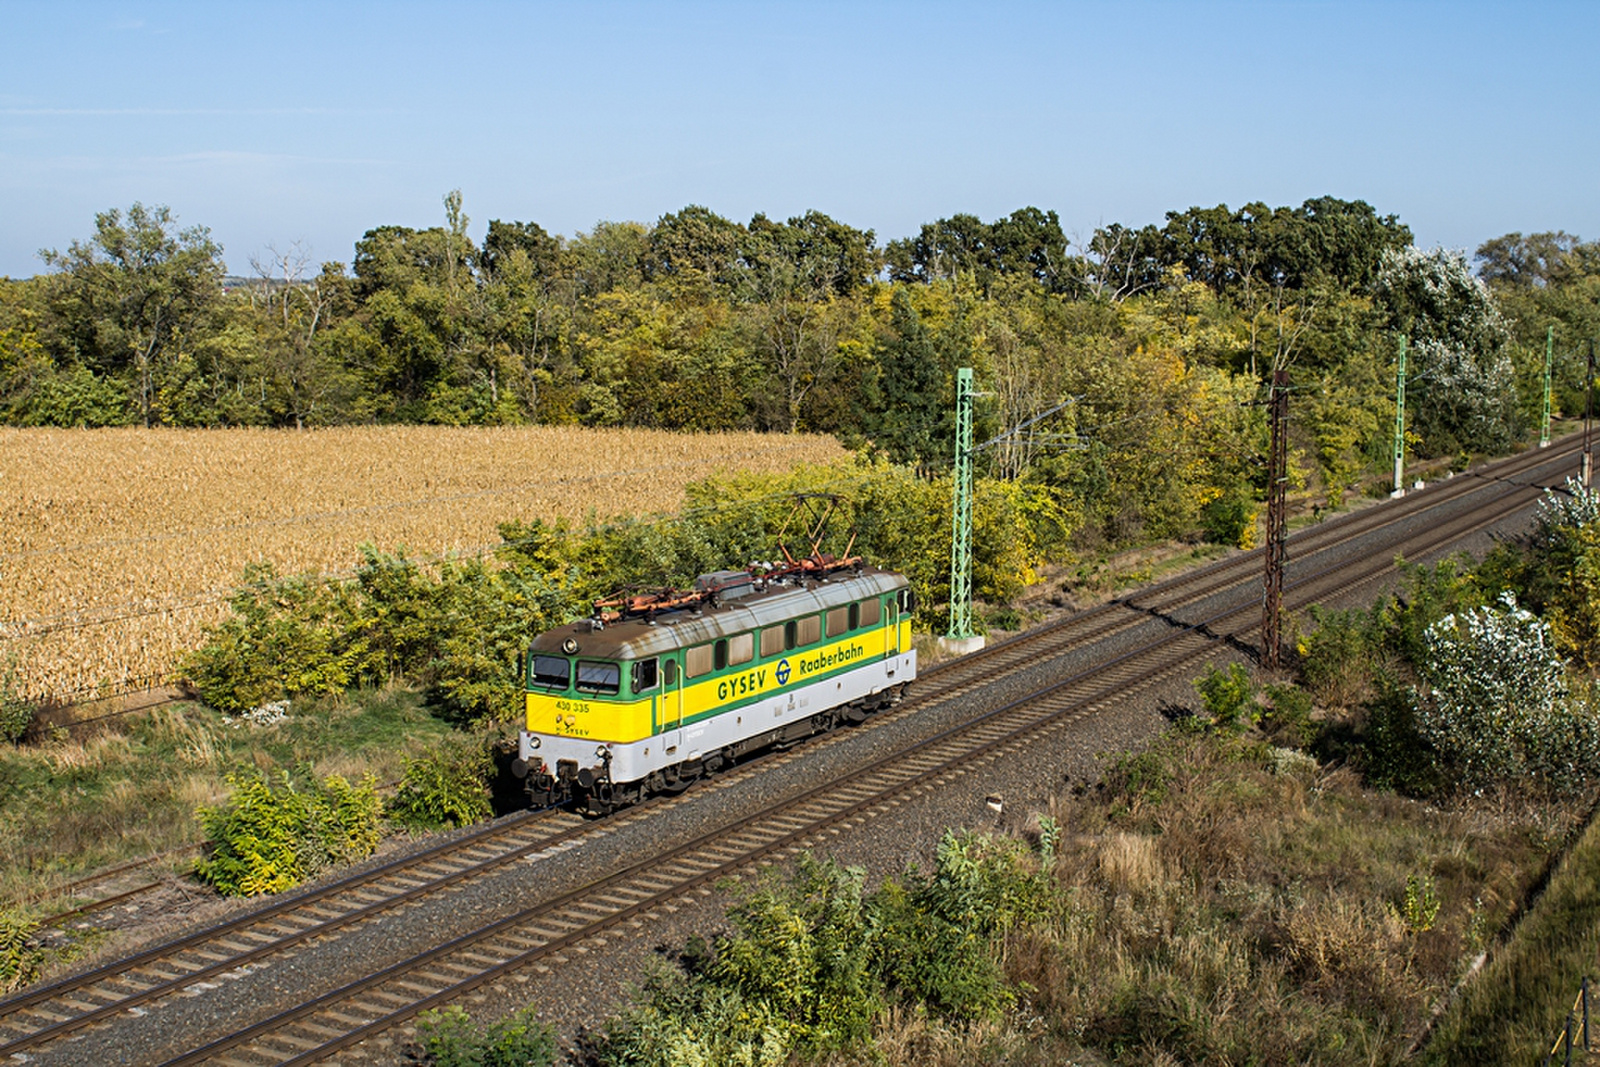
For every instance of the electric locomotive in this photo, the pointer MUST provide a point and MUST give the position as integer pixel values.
(653, 692)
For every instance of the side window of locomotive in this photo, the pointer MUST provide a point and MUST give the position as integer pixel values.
(855, 616)
(772, 639)
(838, 621)
(644, 676)
(720, 659)
(697, 661)
(741, 649)
(549, 672)
(869, 612)
(669, 673)
(810, 630)
(596, 677)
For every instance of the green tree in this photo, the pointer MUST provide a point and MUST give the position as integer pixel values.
(1027, 243)
(906, 397)
(811, 256)
(695, 248)
(1538, 260)
(612, 255)
(306, 382)
(127, 296)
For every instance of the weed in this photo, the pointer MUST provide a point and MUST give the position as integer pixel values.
(1420, 905)
(448, 786)
(16, 714)
(1229, 697)
(1337, 658)
(450, 1038)
(272, 834)
(1287, 719)
(20, 955)
(1141, 778)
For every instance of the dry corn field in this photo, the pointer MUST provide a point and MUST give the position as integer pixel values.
(120, 546)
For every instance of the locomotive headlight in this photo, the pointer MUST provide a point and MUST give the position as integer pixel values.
(533, 742)
(569, 646)
(601, 752)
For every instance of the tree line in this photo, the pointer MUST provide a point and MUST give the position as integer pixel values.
(1148, 346)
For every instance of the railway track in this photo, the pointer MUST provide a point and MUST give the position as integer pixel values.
(960, 676)
(338, 1020)
(539, 937)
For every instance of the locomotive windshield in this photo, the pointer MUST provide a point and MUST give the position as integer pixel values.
(549, 672)
(596, 677)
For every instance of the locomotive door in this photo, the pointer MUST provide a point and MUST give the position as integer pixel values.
(891, 635)
(671, 715)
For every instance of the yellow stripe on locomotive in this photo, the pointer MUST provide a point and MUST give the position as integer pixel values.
(787, 671)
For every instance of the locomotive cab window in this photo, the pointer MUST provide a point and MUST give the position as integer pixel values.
(908, 601)
(549, 672)
(869, 612)
(644, 676)
(596, 677)
(669, 673)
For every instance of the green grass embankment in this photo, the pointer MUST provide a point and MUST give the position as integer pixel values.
(1515, 1008)
(75, 802)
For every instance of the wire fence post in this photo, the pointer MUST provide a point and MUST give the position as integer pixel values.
(1566, 1040)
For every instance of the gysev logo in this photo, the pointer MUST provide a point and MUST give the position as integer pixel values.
(742, 684)
(783, 672)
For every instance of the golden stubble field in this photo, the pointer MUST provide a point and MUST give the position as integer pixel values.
(119, 547)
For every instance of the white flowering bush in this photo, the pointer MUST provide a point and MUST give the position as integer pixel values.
(1464, 381)
(268, 714)
(1495, 704)
(1560, 512)
(1557, 571)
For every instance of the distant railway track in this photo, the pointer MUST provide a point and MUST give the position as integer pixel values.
(542, 935)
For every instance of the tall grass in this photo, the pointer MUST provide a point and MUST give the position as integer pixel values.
(1513, 1010)
(72, 804)
(1212, 902)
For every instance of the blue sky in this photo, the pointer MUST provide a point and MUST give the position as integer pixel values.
(280, 122)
